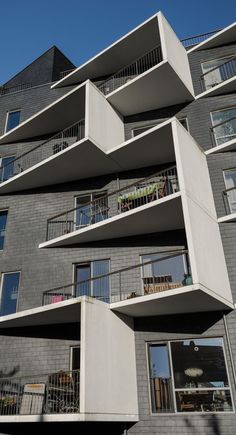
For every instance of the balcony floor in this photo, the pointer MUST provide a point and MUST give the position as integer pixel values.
(158, 87)
(189, 299)
(160, 215)
(226, 87)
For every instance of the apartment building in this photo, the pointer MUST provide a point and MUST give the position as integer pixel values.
(117, 238)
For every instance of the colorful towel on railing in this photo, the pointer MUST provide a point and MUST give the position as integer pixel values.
(140, 192)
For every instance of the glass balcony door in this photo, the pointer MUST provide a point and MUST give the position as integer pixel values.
(230, 183)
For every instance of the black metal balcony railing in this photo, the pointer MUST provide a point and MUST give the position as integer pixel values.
(54, 145)
(194, 40)
(168, 272)
(10, 90)
(65, 73)
(229, 199)
(219, 74)
(223, 132)
(135, 195)
(134, 69)
(40, 394)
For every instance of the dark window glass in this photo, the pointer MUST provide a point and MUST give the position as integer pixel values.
(98, 288)
(160, 378)
(75, 358)
(184, 123)
(199, 363)
(9, 293)
(7, 168)
(13, 119)
(3, 222)
(198, 377)
(91, 209)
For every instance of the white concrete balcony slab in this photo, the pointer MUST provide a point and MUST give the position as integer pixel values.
(98, 400)
(189, 299)
(62, 158)
(222, 37)
(219, 80)
(190, 206)
(71, 163)
(150, 57)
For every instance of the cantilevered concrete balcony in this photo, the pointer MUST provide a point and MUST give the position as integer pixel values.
(167, 200)
(222, 37)
(146, 69)
(220, 79)
(78, 117)
(223, 136)
(90, 397)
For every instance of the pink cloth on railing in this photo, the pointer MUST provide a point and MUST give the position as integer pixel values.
(57, 298)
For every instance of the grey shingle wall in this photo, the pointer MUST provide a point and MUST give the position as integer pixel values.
(44, 269)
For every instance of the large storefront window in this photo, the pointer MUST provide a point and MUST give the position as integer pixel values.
(189, 376)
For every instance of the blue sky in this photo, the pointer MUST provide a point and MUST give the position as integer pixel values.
(81, 28)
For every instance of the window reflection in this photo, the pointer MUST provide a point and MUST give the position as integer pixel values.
(198, 377)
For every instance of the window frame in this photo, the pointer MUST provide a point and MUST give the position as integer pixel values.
(212, 125)
(7, 118)
(7, 210)
(89, 194)
(2, 274)
(185, 262)
(72, 347)
(1, 160)
(90, 263)
(149, 343)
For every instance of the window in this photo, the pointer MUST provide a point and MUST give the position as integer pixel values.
(184, 122)
(75, 358)
(98, 288)
(88, 212)
(215, 72)
(230, 184)
(189, 376)
(3, 222)
(6, 168)
(163, 275)
(9, 292)
(224, 123)
(12, 120)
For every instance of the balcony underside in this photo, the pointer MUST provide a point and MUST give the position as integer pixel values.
(60, 312)
(229, 218)
(227, 87)
(69, 417)
(69, 164)
(53, 118)
(66, 166)
(189, 299)
(225, 147)
(223, 37)
(156, 88)
(160, 215)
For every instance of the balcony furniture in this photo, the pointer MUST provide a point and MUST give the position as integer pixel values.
(33, 399)
(155, 284)
(62, 393)
(196, 401)
(141, 196)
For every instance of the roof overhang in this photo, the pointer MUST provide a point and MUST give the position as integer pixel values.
(189, 299)
(160, 215)
(223, 37)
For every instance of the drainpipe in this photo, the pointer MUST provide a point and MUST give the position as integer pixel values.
(230, 348)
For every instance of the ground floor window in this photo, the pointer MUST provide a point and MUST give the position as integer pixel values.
(189, 376)
(9, 292)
